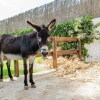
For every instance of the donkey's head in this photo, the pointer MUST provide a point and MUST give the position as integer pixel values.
(42, 35)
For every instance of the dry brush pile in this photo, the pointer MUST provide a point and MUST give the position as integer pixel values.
(72, 68)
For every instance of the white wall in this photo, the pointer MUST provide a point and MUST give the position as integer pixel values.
(94, 48)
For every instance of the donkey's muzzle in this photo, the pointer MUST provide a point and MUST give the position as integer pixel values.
(44, 52)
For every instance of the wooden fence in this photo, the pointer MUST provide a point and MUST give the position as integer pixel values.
(55, 53)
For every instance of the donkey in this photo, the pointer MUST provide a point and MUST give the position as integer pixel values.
(25, 47)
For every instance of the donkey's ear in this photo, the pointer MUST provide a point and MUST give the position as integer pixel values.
(51, 24)
(34, 26)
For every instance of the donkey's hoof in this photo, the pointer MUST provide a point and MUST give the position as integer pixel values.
(26, 87)
(12, 79)
(33, 86)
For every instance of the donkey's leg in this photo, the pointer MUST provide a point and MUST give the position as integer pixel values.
(31, 63)
(31, 74)
(25, 74)
(9, 71)
(1, 65)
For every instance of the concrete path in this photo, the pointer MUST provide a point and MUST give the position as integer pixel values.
(50, 87)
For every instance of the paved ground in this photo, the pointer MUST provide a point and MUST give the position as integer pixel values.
(50, 87)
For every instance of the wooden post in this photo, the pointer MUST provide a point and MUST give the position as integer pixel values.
(54, 47)
(79, 49)
(16, 68)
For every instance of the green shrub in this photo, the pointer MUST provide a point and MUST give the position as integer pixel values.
(22, 32)
(81, 28)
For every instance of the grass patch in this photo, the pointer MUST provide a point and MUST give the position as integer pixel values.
(5, 72)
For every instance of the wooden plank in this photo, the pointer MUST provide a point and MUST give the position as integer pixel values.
(68, 39)
(62, 52)
(79, 49)
(16, 68)
(59, 53)
(54, 47)
(50, 53)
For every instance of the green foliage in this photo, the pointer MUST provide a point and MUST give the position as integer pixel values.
(81, 28)
(22, 32)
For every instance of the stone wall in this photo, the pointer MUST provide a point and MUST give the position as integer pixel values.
(62, 10)
(94, 48)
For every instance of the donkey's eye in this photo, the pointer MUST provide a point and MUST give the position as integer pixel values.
(39, 39)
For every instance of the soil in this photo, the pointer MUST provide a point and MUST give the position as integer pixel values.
(84, 85)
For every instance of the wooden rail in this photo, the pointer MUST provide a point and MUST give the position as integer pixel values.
(54, 51)
(62, 52)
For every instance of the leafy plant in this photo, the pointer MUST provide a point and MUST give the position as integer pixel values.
(22, 32)
(82, 28)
